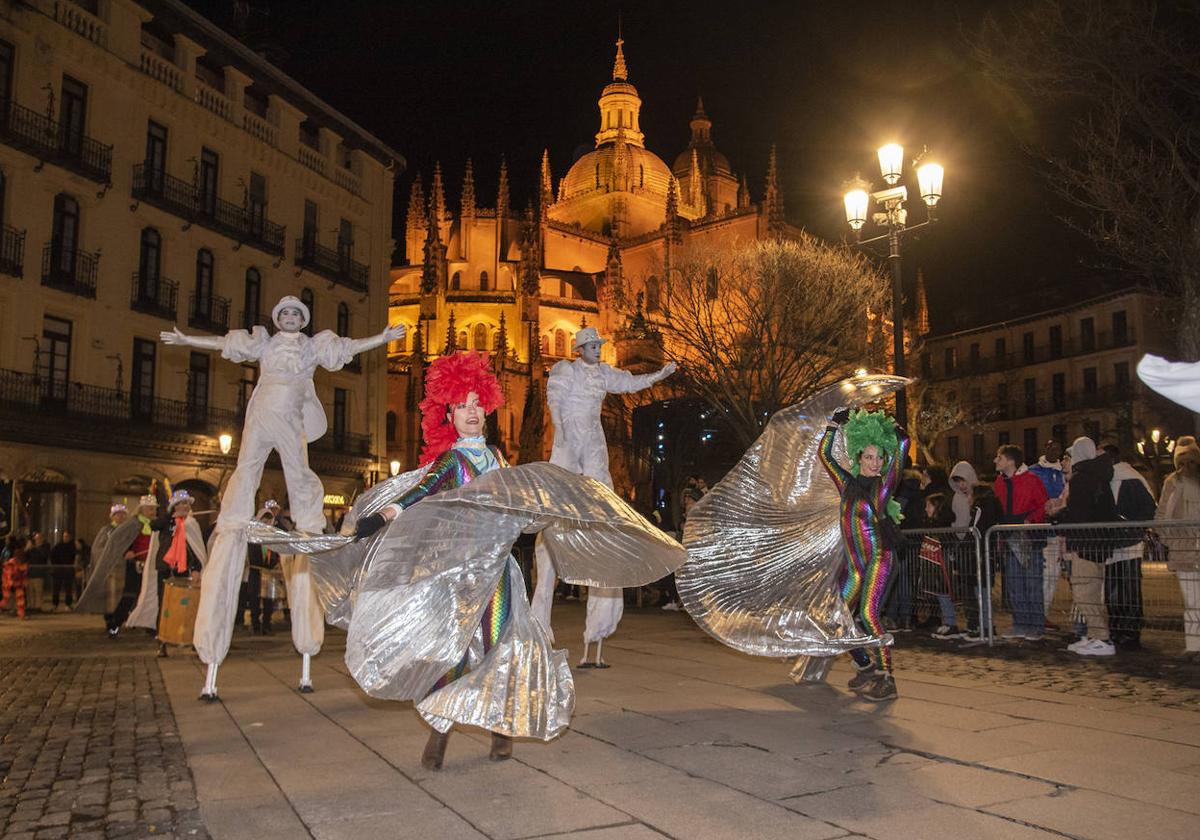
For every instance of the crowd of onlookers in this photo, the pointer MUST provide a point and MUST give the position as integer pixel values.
(1083, 485)
(31, 566)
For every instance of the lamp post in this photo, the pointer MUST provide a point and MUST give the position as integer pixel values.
(894, 218)
(1157, 450)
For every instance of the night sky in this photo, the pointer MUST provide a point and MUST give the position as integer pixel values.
(826, 82)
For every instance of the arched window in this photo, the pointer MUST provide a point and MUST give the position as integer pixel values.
(462, 340)
(641, 175)
(562, 288)
(252, 299)
(456, 282)
(481, 336)
(560, 342)
(64, 238)
(149, 265)
(202, 306)
(484, 281)
(545, 342)
(391, 426)
(343, 319)
(309, 299)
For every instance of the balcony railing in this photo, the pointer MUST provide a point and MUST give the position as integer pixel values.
(71, 271)
(1103, 398)
(343, 443)
(26, 391)
(182, 198)
(210, 314)
(51, 141)
(12, 251)
(332, 264)
(1101, 342)
(155, 296)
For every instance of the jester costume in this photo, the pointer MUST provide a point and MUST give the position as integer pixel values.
(864, 503)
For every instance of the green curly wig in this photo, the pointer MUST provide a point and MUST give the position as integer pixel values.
(872, 428)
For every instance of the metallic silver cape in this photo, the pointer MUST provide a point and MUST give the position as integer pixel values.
(335, 576)
(764, 546)
(416, 601)
(107, 580)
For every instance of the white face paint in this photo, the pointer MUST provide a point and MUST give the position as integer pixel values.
(290, 319)
(468, 416)
(590, 352)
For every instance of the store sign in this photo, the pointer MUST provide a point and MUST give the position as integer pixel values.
(335, 500)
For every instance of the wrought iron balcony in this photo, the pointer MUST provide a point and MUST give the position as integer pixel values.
(28, 391)
(343, 443)
(182, 198)
(69, 270)
(12, 251)
(52, 142)
(153, 295)
(332, 264)
(210, 314)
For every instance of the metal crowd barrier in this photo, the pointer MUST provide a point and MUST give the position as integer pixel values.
(1116, 585)
(935, 580)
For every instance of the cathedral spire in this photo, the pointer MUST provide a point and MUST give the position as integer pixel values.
(696, 184)
(922, 306)
(451, 336)
(468, 190)
(620, 72)
(672, 220)
(501, 342)
(433, 266)
(546, 197)
(743, 196)
(414, 226)
(437, 197)
(502, 192)
(774, 197)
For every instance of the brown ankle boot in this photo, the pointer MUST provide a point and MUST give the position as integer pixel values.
(501, 747)
(435, 750)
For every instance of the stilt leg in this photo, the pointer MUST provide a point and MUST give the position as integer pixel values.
(306, 686)
(600, 663)
(210, 684)
(583, 662)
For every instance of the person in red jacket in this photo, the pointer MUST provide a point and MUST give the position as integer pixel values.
(1022, 499)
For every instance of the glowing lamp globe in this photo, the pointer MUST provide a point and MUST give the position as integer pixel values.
(891, 162)
(857, 200)
(929, 177)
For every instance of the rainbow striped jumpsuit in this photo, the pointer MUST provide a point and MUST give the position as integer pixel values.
(451, 470)
(869, 561)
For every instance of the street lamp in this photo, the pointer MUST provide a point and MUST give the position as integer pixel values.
(894, 218)
(225, 442)
(395, 467)
(1157, 450)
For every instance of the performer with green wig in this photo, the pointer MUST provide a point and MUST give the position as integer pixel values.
(868, 516)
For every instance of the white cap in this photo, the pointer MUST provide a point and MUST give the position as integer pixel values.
(1083, 449)
(586, 336)
(293, 302)
(148, 501)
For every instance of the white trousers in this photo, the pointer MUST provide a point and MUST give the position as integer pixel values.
(1189, 586)
(308, 622)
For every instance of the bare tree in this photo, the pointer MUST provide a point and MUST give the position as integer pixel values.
(1107, 94)
(934, 412)
(763, 326)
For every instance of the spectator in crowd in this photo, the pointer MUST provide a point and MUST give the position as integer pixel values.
(1089, 499)
(939, 558)
(985, 513)
(1022, 499)
(1123, 573)
(669, 599)
(14, 575)
(62, 558)
(899, 603)
(1049, 471)
(963, 479)
(1181, 501)
(37, 554)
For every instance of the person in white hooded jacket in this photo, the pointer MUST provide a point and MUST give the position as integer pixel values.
(963, 479)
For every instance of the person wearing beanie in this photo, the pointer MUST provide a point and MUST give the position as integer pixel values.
(1180, 500)
(1089, 499)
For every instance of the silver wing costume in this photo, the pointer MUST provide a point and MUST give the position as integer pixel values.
(764, 549)
(414, 601)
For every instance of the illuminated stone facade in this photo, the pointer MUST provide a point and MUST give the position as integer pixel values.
(521, 284)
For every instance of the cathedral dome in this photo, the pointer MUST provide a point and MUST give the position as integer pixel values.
(616, 167)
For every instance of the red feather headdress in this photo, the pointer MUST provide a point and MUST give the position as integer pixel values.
(447, 382)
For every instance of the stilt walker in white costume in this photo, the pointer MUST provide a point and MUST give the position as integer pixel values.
(283, 414)
(575, 393)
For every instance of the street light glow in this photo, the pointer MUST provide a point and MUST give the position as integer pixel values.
(891, 162)
(857, 200)
(1155, 435)
(929, 177)
(395, 467)
(225, 442)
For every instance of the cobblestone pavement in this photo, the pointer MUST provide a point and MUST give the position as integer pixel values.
(1152, 675)
(88, 743)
